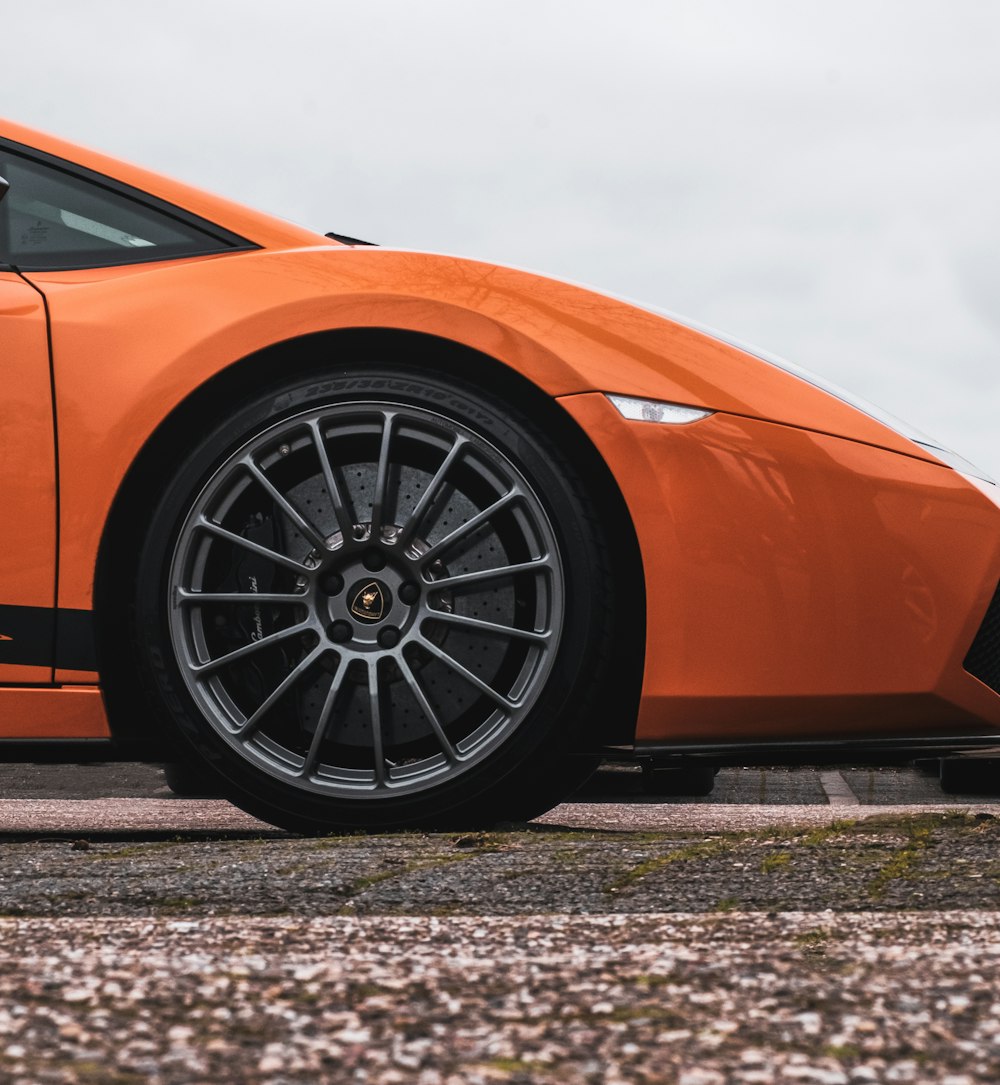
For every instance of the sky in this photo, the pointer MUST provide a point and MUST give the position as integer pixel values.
(818, 179)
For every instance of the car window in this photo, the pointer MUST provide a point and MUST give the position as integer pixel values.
(55, 218)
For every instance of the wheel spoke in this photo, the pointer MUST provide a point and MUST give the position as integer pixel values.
(248, 544)
(253, 721)
(508, 631)
(199, 669)
(470, 525)
(482, 576)
(340, 510)
(201, 598)
(430, 493)
(308, 529)
(450, 753)
(382, 473)
(375, 706)
(436, 491)
(464, 672)
(325, 716)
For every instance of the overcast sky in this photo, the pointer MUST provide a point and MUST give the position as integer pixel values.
(818, 178)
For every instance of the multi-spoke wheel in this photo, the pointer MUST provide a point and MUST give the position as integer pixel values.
(380, 604)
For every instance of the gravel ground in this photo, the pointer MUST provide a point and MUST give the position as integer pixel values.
(617, 940)
(828, 998)
(853, 950)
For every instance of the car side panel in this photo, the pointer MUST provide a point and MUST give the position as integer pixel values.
(810, 572)
(147, 336)
(64, 712)
(27, 489)
(800, 585)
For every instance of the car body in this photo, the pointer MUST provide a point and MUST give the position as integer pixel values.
(741, 562)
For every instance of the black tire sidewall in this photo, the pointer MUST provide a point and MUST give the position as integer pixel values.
(547, 731)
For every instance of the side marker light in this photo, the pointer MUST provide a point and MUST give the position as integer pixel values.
(652, 410)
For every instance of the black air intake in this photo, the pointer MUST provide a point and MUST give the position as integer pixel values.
(983, 660)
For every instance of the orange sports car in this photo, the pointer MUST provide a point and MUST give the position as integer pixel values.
(385, 538)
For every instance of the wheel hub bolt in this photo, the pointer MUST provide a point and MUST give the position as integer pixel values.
(409, 593)
(340, 631)
(332, 584)
(373, 560)
(389, 637)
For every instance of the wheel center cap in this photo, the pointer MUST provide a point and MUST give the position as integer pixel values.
(370, 601)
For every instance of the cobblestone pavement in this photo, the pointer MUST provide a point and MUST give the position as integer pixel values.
(164, 818)
(770, 786)
(948, 860)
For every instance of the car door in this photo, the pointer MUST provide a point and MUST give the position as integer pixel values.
(56, 217)
(27, 487)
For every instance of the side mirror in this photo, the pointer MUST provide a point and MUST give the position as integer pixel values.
(4, 185)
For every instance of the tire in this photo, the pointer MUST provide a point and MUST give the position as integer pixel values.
(970, 776)
(191, 780)
(694, 780)
(377, 601)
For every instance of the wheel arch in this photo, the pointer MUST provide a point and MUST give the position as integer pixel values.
(312, 354)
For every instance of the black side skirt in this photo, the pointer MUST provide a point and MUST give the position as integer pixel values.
(47, 637)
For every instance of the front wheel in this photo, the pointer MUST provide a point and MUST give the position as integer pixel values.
(378, 600)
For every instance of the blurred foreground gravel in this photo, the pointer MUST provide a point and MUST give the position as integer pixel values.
(719, 944)
(694, 1000)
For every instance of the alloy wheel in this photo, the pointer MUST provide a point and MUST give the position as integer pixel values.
(366, 599)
